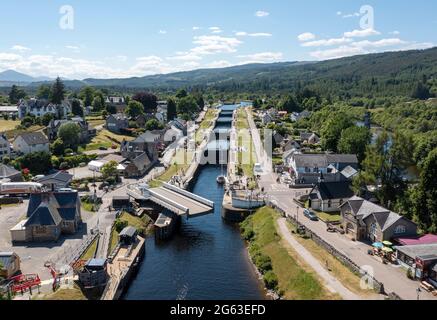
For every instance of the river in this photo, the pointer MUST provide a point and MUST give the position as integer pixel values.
(206, 260)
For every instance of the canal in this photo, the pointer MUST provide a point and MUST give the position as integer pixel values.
(205, 260)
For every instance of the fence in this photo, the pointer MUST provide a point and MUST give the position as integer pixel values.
(379, 286)
(71, 253)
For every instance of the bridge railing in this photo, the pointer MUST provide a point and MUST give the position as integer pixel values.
(189, 195)
(169, 201)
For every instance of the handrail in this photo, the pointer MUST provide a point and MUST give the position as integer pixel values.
(189, 195)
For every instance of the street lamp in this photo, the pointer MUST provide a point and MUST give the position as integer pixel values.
(418, 293)
(297, 215)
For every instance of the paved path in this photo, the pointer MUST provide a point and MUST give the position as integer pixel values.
(332, 284)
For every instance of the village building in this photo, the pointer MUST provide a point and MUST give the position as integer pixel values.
(364, 220)
(56, 181)
(117, 122)
(5, 147)
(86, 132)
(308, 167)
(10, 174)
(309, 138)
(329, 196)
(49, 215)
(31, 142)
(41, 107)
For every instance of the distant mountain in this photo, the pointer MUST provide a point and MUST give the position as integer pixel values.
(12, 76)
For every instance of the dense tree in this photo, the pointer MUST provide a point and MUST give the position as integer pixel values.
(289, 104)
(76, 108)
(171, 109)
(16, 94)
(154, 124)
(36, 162)
(45, 119)
(109, 170)
(69, 133)
(187, 107)
(134, 109)
(58, 91)
(57, 147)
(98, 104)
(148, 100)
(87, 96)
(332, 129)
(43, 92)
(354, 140)
(424, 195)
(111, 109)
(421, 91)
(181, 93)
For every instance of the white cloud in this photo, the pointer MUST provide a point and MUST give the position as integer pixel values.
(327, 42)
(20, 48)
(216, 30)
(215, 44)
(262, 57)
(196, 28)
(395, 33)
(256, 34)
(379, 43)
(306, 36)
(73, 48)
(362, 33)
(352, 15)
(6, 57)
(162, 32)
(339, 13)
(339, 52)
(261, 14)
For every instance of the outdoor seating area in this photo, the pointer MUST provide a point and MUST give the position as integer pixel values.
(385, 251)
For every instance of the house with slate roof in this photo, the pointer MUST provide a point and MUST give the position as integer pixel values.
(10, 174)
(364, 220)
(56, 181)
(49, 215)
(329, 196)
(5, 147)
(31, 142)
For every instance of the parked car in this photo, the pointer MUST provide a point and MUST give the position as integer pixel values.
(310, 215)
(103, 148)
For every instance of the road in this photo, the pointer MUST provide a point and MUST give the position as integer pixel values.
(332, 284)
(393, 277)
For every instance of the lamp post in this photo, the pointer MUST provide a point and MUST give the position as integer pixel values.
(418, 293)
(297, 215)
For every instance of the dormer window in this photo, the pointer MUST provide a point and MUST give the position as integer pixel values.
(401, 229)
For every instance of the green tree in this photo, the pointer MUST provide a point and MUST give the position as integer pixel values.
(43, 92)
(87, 96)
(134, 109)
(16, 94)
(98, 104)
(58, 91)
(154, 124)
(289, 104)
(46, 118)
(332, 129)
(171, 109)
(181, 93)
(148, 100)
(109, 170)
(36, 162)
(69, 133)
(421, 91)
(424, 195)
(354, 140)
(187, 107)
(57, 147)
(76, 108)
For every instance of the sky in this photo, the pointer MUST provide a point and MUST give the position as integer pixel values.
(78, 39)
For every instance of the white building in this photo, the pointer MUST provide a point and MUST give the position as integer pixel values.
(162, 111)
(40, 107)
(31, 142)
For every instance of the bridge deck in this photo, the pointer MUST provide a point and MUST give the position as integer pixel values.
(195, 207)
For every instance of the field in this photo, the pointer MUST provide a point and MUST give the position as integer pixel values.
(294, 281)
(106, 139)
(6, 125)
(246, 154)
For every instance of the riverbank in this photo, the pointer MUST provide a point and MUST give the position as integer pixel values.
(281, 272)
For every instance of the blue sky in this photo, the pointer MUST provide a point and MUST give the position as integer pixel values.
(136, 38)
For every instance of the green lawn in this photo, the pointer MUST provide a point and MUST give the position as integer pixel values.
(246, 157)
(6, 125)
(181, 161)
(106, 139)
(328, 217)
(90, 252)
(293, 280)
(67, 294)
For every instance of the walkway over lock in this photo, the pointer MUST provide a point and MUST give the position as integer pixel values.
(177, 200)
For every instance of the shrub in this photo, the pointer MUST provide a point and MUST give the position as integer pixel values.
(271, 280)
(64, 166)
(248, 234)
(263, 263)
(120, 225)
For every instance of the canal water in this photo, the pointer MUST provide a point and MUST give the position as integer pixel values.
(206, 260)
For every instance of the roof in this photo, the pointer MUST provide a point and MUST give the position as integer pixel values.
(59, 176)
(311, 160)
(34, 138)
(334, 190)
(128, 232)
(418, 251)
(96, 263)
(342, 158)
(426, 239)
(349, 172)
(44, 215)
(6, 171)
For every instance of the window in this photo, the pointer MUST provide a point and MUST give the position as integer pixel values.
(329, 203)
(373, 229)
(400, 229)
(341, 202)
